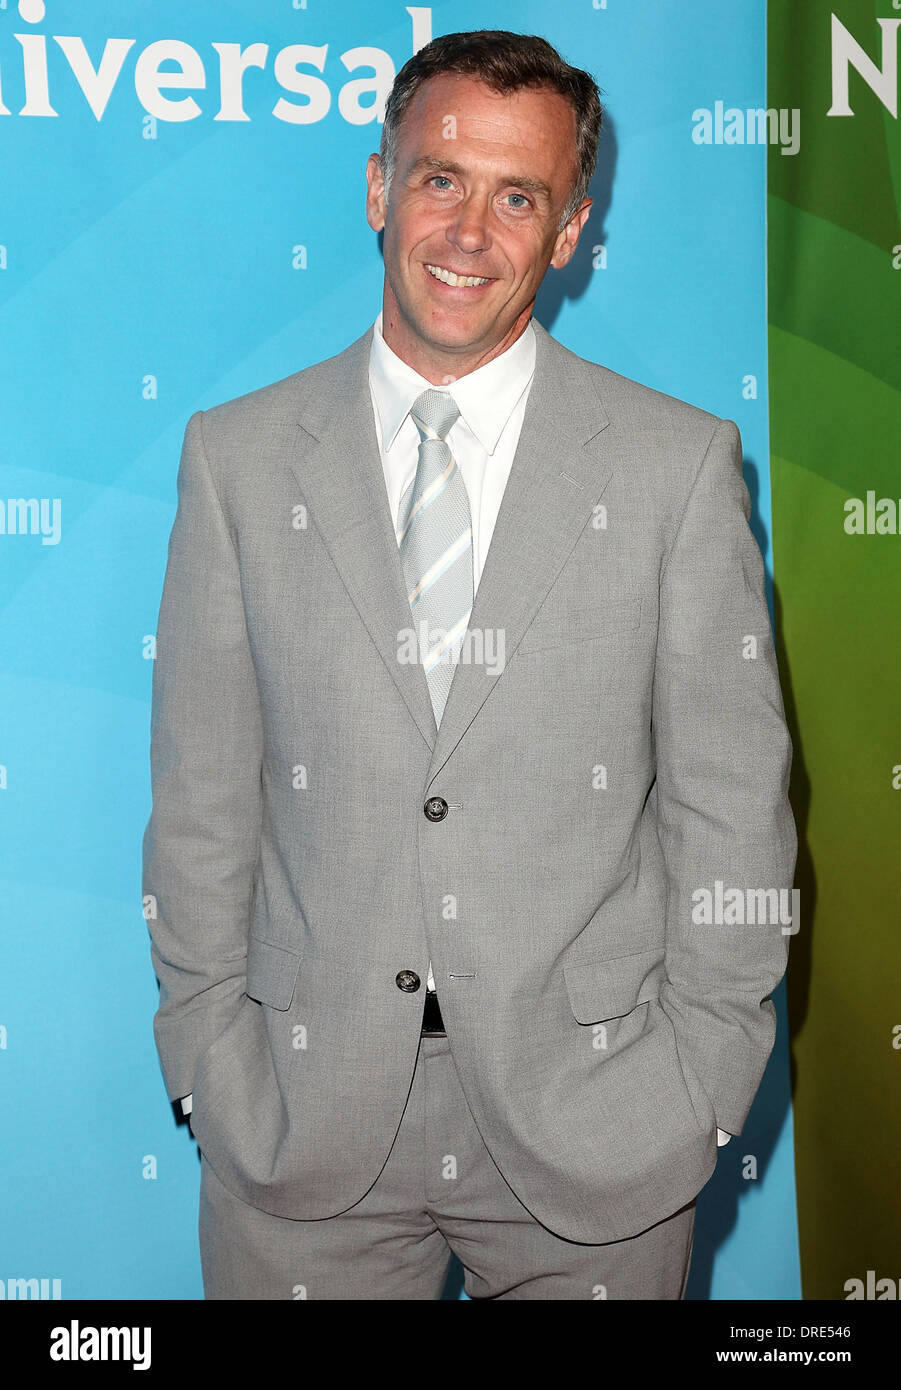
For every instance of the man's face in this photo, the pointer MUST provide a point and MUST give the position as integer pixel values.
(480, 181)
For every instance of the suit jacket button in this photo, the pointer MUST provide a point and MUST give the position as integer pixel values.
(408, 981)
(435, 808)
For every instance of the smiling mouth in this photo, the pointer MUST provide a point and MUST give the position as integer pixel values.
(448, 277)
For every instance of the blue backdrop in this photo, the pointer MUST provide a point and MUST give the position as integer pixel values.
(174, 233)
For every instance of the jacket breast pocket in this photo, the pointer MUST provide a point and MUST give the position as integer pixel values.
(271, 973)
(619, 620)
(602, 990)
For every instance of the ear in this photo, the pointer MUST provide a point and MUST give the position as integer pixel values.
(568, 238)
(376, 202)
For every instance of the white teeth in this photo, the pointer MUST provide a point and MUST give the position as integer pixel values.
(450, 278)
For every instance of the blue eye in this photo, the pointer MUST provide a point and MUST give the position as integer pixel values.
(439, 176)
(519, 195)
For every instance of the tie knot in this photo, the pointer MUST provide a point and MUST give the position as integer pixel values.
(433, 414)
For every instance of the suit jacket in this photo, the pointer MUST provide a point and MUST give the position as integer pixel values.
(626, 754)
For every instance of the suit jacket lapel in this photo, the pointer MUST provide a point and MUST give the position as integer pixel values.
(554, 483)
(343, 482)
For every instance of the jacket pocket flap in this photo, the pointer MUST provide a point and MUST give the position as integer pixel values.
(602, 989)
(271, 973)
(548, 631)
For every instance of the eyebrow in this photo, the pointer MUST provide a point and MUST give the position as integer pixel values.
(527, 181)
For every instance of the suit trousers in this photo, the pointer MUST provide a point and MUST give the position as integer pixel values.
(439, 1193)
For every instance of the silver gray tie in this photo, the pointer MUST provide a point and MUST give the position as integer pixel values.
(434, 534)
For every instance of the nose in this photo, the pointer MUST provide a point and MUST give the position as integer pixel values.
(468, 228)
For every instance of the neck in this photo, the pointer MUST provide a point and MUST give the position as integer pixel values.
(438, 364)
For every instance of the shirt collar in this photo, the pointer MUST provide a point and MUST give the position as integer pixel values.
(486, 397)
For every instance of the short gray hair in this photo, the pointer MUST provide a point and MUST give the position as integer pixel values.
(506, 62)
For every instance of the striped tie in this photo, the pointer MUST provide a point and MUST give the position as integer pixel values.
(435, 539)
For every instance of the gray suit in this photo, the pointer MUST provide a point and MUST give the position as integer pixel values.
(627, 754)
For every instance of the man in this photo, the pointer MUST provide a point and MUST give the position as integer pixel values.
(432, 973)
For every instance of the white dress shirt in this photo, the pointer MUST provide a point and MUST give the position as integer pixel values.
(483, 439)
(492, 402)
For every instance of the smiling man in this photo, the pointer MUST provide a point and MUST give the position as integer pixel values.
(431, 974)
(480, 181)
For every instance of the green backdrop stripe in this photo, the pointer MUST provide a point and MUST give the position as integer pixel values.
(834, 275)
(841, 321)
(821, 431)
